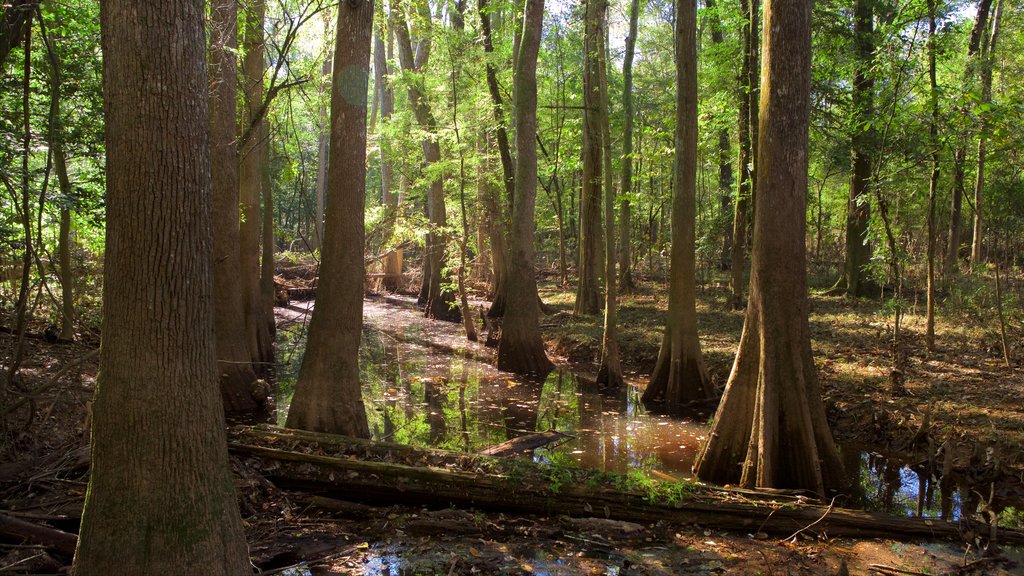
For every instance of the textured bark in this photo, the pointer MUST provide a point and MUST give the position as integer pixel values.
(588, 295)
(233, 361)
(770, 429)
(259, 340)
(855, 280)
(950, 264)
(609, 374)
(160, 498)
(521, 348)
(438, 303)
(626, 181)
(328, 397)
(679, 375)
(385, 95)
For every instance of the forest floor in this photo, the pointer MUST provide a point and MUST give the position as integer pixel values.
(976, 405)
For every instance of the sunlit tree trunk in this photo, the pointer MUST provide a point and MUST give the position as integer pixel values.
(626, 187)
(747, 133)
(770, 428)
(521, 348)
(161, 498)
(680, 375)
(328, 397)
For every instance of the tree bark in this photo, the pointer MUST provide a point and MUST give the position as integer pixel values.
(160, 497)
(328, 397)
(626, 180)
(233, 361)
(680, 376)
(770, 428)
(588, 295)
(259, 340)
(521, 348)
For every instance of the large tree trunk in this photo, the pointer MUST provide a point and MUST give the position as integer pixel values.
(328, 397)
(679, 375)
(160, 497)
(770, 429)
(233, 360)
(951, 263)
(259, 340)
(855, 279)
(626, 187)
(609, 373)
(588, 295)
(747, 134)
(521, 348)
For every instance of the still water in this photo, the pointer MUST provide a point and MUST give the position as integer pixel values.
(424, 385)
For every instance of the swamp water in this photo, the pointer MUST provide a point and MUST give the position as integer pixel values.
(425, 385)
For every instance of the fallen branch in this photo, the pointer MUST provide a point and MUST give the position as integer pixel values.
(523, 444)
(57, 540)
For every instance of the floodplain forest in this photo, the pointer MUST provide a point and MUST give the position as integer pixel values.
(495, 287)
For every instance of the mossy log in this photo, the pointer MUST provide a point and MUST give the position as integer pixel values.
(355, 469)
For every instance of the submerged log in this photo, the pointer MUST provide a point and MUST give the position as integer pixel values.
(524, 444)
(351, 468)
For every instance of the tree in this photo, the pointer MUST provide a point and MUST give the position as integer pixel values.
(386, 97)
(858, 215)
(988, 47)
(679, 375)
(950, 264)
(770, 428)
(588, 296)
(328, 397)
(747, 133)
(626, 187)
(257, 328)
(160, 496)
(521, 348)
(933, 180)
(609, 373)
(439, 302)
(234, 363)
(14, 24)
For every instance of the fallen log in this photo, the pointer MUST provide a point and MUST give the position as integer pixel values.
(351, 468)
(56, 540)
(523, 444)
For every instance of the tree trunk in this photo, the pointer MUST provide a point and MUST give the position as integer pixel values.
(951, 262)
(162, 502)
(267, 247)
(439, 303)
(588, 295)
(259, 341)
(323, 149)
(724, 163)
(933, 181)
(393, 262)
(521, 348)
(679, 375)
(977, 255)
(747, 103)
(328, 397)
(233, 361)
(855, 280)
(626, 187)
(770, 428)
(609, 374)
